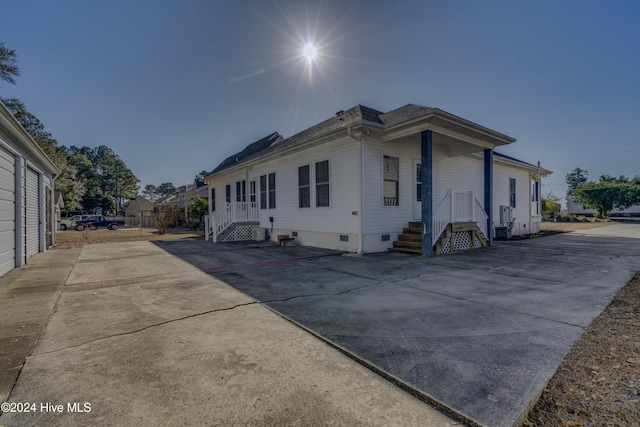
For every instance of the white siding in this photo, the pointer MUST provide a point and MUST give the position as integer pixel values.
(7, 211)
(380, 219)
(336, 220)
(32, 212)
(459, 173)
(323, 226)
(501, 175)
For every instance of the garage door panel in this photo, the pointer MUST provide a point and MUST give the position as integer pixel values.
(7, 226)
(33, 213)
(7, 212)
(5, 175)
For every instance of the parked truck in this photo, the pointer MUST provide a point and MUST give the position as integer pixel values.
(98, 221)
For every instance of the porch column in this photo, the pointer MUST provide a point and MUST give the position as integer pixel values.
(426, 178)
(488, 191)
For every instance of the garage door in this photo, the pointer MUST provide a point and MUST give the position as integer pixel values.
(7, 211)
(33, 213)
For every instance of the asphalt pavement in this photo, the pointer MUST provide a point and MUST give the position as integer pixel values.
(196, 333)
(479, 333)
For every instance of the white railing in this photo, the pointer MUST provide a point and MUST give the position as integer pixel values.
(231, 213)
(442, 216)
(457, 206)
(481, 218)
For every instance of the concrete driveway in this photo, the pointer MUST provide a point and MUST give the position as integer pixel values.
(140, 337)
(152, 334)
(478, 332)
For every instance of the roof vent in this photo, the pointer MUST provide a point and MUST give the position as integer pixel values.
(340, 114)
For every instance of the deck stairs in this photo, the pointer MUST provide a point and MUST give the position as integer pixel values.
(233, 222)
(410, 241)
(459, 222)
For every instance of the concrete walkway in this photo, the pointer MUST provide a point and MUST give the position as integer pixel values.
(478, 332)
(140, 337)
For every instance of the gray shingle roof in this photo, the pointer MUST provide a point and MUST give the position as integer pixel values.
(357, 114)
(250, 149)
(342, 119)
(401, 114)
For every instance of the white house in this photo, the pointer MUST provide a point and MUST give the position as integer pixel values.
(415, 178)
(575, 208)
(27, 216)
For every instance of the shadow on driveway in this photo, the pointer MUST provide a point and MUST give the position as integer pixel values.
(478, 332)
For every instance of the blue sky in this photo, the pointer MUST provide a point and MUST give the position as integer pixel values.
(174, 87)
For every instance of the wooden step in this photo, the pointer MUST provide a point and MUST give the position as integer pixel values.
(415, 224)
(408, 245)
(406, 251)
(412, 231)
(410, 238)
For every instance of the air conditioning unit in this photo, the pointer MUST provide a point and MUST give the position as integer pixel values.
(506, 215)
(257, 234)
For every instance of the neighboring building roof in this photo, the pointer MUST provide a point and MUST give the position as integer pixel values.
(250, 149)
(58, 199)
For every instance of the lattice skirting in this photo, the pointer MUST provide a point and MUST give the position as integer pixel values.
(461, 241)
(240, 233)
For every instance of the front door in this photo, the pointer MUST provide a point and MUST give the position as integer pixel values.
(417, 191)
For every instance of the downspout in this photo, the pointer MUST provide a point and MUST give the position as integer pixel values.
(360, 187)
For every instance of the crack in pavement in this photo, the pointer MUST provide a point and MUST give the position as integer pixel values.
(148, 327)
(256, 302)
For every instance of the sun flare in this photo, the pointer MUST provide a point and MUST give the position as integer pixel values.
(310, 52)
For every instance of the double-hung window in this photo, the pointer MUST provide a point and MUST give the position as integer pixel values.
(241, 191)
(304, 186)
(322, 184)
(268, 191)
(390, 180)
(213, 199)
(228, 193)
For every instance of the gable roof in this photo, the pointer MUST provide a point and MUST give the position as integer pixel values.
(250, 149)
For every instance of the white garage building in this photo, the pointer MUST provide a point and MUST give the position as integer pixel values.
(26, 195)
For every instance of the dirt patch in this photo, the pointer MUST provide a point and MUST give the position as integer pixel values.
(598, 382)
(79, 238)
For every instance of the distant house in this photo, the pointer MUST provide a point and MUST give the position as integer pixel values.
(416, 179)
(139, 212)
(576, 208)
(27, 215)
